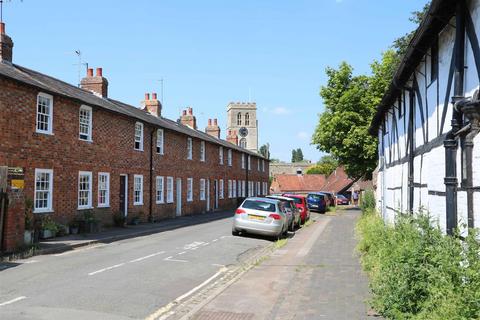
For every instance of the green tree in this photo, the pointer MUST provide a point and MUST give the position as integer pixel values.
(265, 150)
(299, 155)
(294, 155)
(350, 102)
(326, 166)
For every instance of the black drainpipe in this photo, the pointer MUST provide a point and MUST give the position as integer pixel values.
(150, 217)
(246, 177)
(451, 143)
(411, 155)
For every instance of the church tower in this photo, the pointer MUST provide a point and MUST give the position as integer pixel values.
(242, 119)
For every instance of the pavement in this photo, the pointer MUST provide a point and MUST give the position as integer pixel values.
(316, 275)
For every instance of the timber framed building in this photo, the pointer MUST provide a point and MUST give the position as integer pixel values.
(81, 150)
(428, 121)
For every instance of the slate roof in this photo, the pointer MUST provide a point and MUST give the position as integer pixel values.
(60, 88)
(437, 17)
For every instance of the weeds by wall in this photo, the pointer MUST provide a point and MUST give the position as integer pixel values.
(416, 272)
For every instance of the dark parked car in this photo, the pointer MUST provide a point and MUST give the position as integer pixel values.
(317, 202)
(331, 198)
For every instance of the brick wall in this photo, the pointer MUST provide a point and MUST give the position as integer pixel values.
(112, 151)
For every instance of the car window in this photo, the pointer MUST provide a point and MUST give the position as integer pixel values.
(297, 200)
(316, 196)
(259, 205)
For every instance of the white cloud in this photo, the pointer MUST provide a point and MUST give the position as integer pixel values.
(302, 135)
(280, 111)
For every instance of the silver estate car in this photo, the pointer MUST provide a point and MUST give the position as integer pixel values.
(293, 214)
(261, 216)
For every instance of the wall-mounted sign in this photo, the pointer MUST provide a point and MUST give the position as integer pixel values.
(16, 177)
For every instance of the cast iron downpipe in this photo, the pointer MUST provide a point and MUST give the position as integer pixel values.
(471, 110)
(451, 143)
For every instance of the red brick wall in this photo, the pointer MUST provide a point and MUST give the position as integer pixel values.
(112, 150)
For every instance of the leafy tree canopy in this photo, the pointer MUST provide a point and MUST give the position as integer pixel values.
(326, 166)
(265, 150)
(297, 155)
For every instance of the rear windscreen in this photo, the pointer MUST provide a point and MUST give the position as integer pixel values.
(297, 200)
(316, 196)
(259, 205)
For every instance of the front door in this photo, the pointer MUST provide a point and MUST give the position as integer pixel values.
(123, 195)
(215, 192)
(179, 197)
(208, 194)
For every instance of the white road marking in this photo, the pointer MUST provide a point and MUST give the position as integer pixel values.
(106, 269)
(218, 265)
(193, 245)
(183, 252)
(27, 261)
(174, 260)
(165, 310)
(12, 301)
(79, 250)
(214, 240)
(146, 257)
(206, 244)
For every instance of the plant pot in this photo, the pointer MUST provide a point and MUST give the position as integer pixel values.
(73, 230)
(91, 227)
(47, 234)
(135, 221)
(28, 237)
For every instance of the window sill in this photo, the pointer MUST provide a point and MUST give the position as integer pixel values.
(189, 200)
(45, 132)
(44, 211)
(170, 202)
(104, 206)
(159, 202)
(139, 150)
(86, 140)
(138, 203)
(85, 208)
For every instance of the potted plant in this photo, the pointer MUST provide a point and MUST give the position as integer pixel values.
(28, 234)
(91, 223)
(119, 219)
(135, 220)
(73, 227)
(48, 228)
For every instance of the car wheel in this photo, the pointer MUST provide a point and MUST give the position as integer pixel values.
(291, 227)
(235, 232)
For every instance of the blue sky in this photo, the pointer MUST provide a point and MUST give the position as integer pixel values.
(212, 52)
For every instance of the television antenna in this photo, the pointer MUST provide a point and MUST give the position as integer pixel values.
(79, 64)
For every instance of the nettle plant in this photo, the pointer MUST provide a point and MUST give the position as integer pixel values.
(416, 272)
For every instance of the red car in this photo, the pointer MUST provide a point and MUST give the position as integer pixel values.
(301, 204)
(341, 199)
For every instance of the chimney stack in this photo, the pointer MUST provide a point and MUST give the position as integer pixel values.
(213, 129)
(97, 84)
(152, 106)
(6, 45)
(188, 119)
(232, 137)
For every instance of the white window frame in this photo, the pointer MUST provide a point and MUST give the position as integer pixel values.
(169, 189)
(138, 138)
(159, 190)
(243, 188)
(49, 207)
(90, 182)
(160, 140)
(138, 202)
(258, 164)
(263, 165)
(105, 204)
(189, 189)
(202, 151)
(49, 114)
(259, 191)
(202, 189)
(239, 188)
(229, 157)
(189, 148)
(249, 162)
(88, 134)
(220, 189)
(229, 189)
(234, 189)
(243, 160)
(220, 155)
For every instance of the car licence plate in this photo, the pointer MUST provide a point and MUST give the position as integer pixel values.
(254, 217)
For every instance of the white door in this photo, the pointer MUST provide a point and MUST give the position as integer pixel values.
(179, 197)
(208, 194)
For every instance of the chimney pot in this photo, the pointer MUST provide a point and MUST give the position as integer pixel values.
(190, 111)
(215, 123)
(90, 72)
(209, 122)
(99, 72)
(184, 112)
(2, 28)
(147, 96)
(154, 96)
